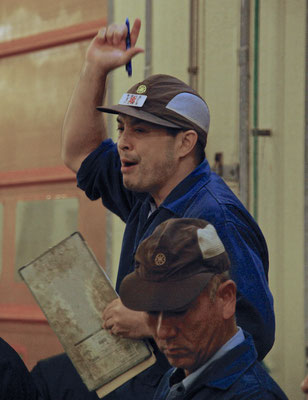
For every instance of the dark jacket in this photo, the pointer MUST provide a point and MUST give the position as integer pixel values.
(16, 382)
(57, 379)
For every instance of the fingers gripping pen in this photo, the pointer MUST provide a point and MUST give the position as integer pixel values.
(128, 66)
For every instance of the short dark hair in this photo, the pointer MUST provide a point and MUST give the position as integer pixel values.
(199, 147)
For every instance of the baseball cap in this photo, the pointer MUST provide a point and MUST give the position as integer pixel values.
(174, 265)
(166, 101)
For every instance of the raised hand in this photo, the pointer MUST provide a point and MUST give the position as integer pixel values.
(107, 50)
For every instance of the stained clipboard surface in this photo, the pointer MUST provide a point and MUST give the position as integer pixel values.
(72, 290)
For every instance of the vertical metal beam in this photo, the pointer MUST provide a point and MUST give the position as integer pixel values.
(256, 110)
(306, 187)
(244, 103)
(194, 44)
(148, 39)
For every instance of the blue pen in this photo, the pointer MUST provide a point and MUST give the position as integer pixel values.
(128, 66)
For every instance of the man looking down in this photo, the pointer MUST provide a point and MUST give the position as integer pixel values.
(181, 280)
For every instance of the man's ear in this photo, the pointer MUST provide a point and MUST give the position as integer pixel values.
(187, 142)
(227, 295)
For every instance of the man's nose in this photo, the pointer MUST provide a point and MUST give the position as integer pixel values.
(124, 141)
(165, 327)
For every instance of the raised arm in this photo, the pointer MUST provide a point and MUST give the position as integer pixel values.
(83, 127)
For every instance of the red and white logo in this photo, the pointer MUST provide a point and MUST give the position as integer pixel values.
(130, 99)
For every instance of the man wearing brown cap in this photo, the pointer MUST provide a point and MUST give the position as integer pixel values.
(181, 280)
(157, 170)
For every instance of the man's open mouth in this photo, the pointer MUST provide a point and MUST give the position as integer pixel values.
(128, 163)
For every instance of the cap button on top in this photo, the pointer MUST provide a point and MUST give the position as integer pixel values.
(141, 89)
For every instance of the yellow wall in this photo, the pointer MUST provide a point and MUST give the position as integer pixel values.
(34, 184)
(281, 176)
(36, 86)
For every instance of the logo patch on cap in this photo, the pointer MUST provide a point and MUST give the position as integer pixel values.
(141, 89)
(160, 259)
(130, 99)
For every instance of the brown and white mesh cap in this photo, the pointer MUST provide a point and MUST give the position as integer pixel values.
(174, 265)
(167, 101)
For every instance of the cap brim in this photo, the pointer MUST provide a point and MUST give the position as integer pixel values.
(142, 295)
(137, 113)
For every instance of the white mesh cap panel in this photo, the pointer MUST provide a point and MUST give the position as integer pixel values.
(209, 242)
(191, 107)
